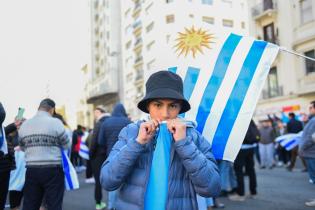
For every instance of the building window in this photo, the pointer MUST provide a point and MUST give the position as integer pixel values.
(227, 3)
(149, 46)
(243, 25)
(227, 23)
(191, 15)
(150, 27)
(168, 38)
(269, 33)
(170, 19)
(150, 64)
(209, 2)
(128, 44)
(209, 20)
(273, 88)
(147, 9)
(309, 64)
(127, 12)
(306, 11)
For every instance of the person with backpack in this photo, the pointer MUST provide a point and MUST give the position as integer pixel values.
(245, 158)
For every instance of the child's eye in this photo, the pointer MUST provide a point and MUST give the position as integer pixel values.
(174, 106)
(157, 105)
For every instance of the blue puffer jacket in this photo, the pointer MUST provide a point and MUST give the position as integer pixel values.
(192, 170)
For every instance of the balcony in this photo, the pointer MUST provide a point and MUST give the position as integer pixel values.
(138, 45)
(137, 26)
(139, 76)
(272, 92)
(136, 11)
(265, 9)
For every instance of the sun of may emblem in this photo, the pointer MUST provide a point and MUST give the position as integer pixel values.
(193, 41)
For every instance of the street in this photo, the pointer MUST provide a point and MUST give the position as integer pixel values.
(278, 189)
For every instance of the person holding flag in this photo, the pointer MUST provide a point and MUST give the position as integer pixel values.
(41, 138)
(161, 163)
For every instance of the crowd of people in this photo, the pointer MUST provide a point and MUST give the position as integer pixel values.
(160, 157)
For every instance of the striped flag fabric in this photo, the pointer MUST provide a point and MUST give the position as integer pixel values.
(290, 140)
(84, 150)
(71, 177)
(223, 76)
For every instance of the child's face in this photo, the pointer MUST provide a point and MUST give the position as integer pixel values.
(164, 109)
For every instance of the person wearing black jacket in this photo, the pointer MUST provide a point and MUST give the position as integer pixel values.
(294, 126)
(108, 136)
(98, 154)
(245, 158)
(7, 162)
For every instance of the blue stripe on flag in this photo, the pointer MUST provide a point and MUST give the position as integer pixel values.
(190, 83)
(84, 151)
(287, 145)
(236, 98)
(67, 169)
(217, 76)
(173, 69)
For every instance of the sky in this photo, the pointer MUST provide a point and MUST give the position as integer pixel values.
(43, 46)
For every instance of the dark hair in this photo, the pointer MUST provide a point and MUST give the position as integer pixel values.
(292, 115)
(47, 104)
(60, 117)
(313, 103)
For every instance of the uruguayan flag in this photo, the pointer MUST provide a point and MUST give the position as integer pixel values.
(71, 177)
(3, 141)
(223, 76)
(84, 150)
(290, 140)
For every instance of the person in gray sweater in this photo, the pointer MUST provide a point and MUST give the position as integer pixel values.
(42, 138)
(266, 144)
(307, 147)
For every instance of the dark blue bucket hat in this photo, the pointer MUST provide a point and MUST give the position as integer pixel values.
(164, 85)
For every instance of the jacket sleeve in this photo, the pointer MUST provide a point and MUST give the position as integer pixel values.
(120, 162)
(100, 137)
(307, 140)
(64, 140)
(94, 139)
(10, 128)
(200, 164)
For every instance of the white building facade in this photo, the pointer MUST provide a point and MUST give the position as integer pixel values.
(145, 24)
(290, 85)
(105, 86)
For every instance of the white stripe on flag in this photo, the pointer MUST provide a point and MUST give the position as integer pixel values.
(226, 88)
(84, 151)
(242, 122)
(205, 74)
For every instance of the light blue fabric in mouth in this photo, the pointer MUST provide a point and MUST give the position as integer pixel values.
(157, 189)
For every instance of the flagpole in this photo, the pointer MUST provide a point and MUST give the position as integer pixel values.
(295, 53)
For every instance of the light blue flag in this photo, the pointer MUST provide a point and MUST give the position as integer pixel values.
(157, 189)
(3, 141)
(71, 177)
(223, 76)
(17, 176)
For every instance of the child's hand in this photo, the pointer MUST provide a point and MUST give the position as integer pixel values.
(177, 128)
(147, 131)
